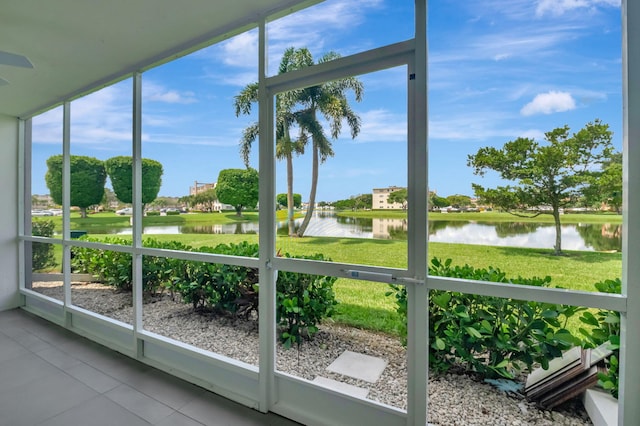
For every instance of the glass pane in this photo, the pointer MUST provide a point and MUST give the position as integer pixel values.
(354, 197)
(100, 131)
(484, 348)
(339, 27)
(359, 327)
(210, 306)
(205, 195)
(102, 282)
(46, 178)
(497, 119)
(45, 274)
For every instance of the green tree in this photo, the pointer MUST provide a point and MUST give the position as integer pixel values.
(300, 108)
(286, 147)
(206, 198)
(400, 196)
(283, 200)
(120, 171)
(238, 187)
(458, 201)
(606, 186)
(436, 201)
(549, 176)
(88, 177)
(363, 201)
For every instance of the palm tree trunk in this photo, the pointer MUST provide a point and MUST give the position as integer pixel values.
(292, 227)
(312, 193)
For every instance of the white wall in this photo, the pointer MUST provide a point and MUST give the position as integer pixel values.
(9, 296)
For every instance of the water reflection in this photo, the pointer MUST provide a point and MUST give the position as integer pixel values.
(586, 237)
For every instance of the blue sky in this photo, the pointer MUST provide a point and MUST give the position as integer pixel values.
(498, 70)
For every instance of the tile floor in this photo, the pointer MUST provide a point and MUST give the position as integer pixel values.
(50, 376)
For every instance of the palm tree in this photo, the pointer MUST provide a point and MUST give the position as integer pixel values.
(329, 99)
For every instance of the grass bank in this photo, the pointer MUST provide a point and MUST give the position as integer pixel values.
(364, 304)
(489, 216)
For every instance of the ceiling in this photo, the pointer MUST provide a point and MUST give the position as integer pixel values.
(78, 45)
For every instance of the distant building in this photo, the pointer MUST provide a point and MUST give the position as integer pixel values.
(381, 195)
(199, 187)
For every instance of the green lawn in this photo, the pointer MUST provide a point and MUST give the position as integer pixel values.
(490, 216)
(364, 304)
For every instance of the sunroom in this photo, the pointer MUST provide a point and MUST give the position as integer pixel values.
(91, 79)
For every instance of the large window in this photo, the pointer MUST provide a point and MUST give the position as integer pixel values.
(278, 233)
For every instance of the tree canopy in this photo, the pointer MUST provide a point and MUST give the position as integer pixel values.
(300, 108)
(547, 176)
(282, 200)
(120, 171)
(206, 199)
(88, 177)
(400, 196)
(238, 187)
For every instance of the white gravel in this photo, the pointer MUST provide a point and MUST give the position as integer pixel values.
(454, 399)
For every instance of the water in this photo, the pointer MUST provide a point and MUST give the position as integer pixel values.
(584, 237)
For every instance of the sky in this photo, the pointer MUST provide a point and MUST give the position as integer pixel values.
(498, 70)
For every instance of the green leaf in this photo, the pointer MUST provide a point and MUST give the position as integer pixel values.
(473, 332)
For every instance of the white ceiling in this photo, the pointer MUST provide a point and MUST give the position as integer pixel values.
(77, 45)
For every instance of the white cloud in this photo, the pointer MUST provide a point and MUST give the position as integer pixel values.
(382, 126)
(154, 92)
(560, 7)
(550, 102)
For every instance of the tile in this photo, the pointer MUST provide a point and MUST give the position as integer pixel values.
(214, 410)
(99, 411)
(56, 357)
(10, 349)
(341, 387)
(168, 389)
(29, 404)
(144, 406)
(93, 378)
(359, 366)
(32, 342)
(24, 370)
(178, 419)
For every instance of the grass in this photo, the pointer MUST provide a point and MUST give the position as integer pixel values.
(490, 216)
(364, 304)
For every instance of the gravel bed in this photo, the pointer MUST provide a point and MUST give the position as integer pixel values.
(454, 399)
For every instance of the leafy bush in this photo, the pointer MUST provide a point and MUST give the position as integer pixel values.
(172, 213)
(42, 253)
(221, 287)
(302, 301)
(489, 335)
(115, 268)
(605, 327)
(153, 213)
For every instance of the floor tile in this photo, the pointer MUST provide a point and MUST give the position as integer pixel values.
(56, 357)
(28, 404)
(99, 411)
(26, 369)
(10, 349)
(135, 401)
(169, 390)
(93, 378)
(178, 419)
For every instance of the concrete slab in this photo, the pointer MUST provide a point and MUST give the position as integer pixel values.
(359, 366)
(345, 388)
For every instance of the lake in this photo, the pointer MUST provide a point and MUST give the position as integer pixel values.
(584, 237)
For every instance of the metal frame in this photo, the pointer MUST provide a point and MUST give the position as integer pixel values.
(268, 390)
